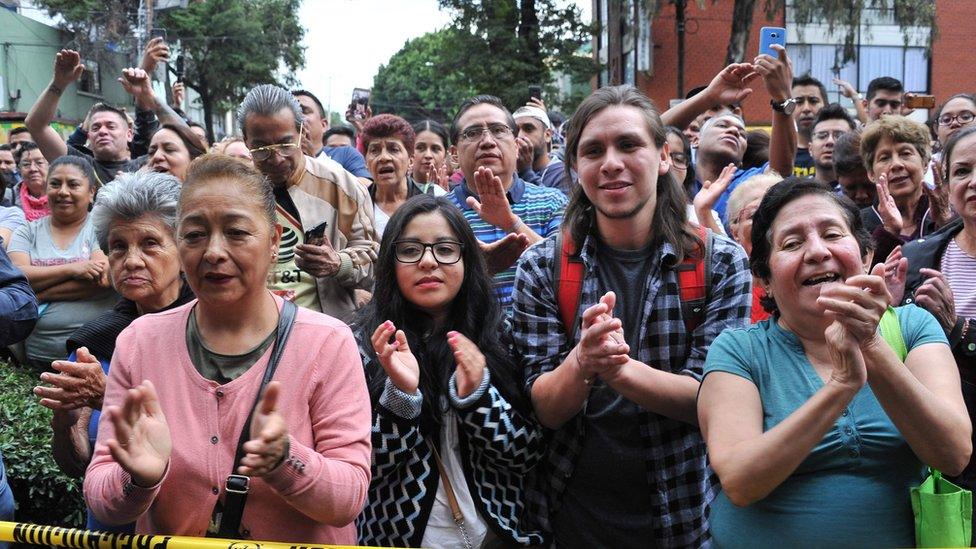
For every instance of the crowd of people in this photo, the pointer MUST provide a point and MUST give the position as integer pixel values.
(630, 329)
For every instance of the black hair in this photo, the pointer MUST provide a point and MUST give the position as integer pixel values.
(834, 111)
(18, 130)
(25, 147)
(83, 164)
(6, 147)
(775, 199)
(310, 95)
(886, 83)
(847, 155)
(340, 130)
(435, 128)
(475, 313)
(480, 100)
(757, 149)
(689, 183)
(194, 146)
(807, 80)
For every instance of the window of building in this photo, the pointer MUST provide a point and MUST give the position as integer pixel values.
(91, 79)
(880, 48)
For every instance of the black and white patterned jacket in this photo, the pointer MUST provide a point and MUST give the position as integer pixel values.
(499, 449)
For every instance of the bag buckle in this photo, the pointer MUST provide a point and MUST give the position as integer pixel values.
(237, 484)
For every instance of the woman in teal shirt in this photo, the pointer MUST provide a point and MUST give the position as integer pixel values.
(814, 426)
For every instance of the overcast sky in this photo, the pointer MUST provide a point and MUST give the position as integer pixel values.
(348, 40)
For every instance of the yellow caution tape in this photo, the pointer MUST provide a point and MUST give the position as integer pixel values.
(36, 534)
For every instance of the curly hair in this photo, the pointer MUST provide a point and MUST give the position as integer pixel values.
(384, 126)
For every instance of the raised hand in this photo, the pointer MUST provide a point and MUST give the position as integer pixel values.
(602, 350)
(711, 191)
(179, 93)
(493, 206)
(502, 254)
(858, 303)
(777, 73)
(156, 51)
(938, 197)
(137, 83)
(142, 443)
(396, 358)
(731, 85)
(438, 176)
(846, 89)
(537, 103)
(935, 296)
(470, 363)
(268, 445)
(67, 68)
(887, 208)
(80, 384)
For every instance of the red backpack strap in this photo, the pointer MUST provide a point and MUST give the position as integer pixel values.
(694, 274)
(568, 279)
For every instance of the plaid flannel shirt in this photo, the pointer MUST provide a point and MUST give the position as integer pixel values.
(680, 483)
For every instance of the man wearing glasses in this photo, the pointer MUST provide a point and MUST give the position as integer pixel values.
(832, 122)
(328, 242)
(506, 213)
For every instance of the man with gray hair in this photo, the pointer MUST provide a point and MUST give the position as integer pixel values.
(328, 241)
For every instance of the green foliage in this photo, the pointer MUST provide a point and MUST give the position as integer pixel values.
(97, 26)
(500, 47)
(44, 495)
(232, 45)
(423, 80)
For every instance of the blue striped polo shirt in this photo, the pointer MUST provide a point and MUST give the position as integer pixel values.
(540, 208)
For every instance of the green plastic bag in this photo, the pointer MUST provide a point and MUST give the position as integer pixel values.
(943, 513)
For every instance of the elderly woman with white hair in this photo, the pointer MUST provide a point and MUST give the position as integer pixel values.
(135, 225)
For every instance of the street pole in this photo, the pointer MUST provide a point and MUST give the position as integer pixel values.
(679, 23)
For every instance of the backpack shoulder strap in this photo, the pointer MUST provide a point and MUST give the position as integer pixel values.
(568, 278)
(694, 279)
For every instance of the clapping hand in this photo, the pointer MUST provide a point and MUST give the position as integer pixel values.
(938, 197)
(858, 303)
(493, 206)
(141, 444)
(269, 436)
(895, 273)
(887, 208)
(470, 363)
(711, 191)
(602, 350)
(935, 296)
(396, 358)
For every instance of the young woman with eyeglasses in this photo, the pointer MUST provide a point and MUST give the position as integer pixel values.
(453, 434)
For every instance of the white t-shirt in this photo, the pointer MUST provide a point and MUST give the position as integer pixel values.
(381, 218)
(442, 532)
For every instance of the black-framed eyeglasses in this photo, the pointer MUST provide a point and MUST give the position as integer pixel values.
(446, 252)
(965, 117)
(476, 133)
(824, 134)
(260, 154)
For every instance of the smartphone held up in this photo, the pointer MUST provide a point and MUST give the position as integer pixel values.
(360, 100)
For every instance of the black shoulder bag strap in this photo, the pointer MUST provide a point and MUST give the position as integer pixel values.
(237, 486)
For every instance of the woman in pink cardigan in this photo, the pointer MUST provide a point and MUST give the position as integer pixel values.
(184, 383)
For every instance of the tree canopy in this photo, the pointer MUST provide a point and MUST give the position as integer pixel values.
(498, 47)
(229, 45)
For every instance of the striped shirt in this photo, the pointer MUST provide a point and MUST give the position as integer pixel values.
(540, 208)
(959, 269)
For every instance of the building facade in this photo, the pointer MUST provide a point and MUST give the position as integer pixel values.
(645, 54)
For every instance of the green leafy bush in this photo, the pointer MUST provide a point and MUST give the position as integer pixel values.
(44, 494)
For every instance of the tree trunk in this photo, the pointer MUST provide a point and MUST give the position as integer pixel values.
(741, 26)
(207, 100)
(528, 33)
